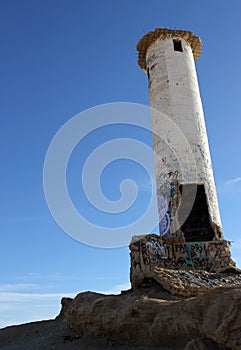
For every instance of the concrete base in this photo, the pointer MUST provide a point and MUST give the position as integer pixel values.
(151, 251)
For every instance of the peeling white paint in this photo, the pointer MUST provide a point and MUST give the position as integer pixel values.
(174, 91)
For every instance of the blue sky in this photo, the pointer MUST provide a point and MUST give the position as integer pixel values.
(59, 58)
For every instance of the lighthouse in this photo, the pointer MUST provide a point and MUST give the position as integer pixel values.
(186, 192)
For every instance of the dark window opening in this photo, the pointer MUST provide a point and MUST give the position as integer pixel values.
(197, 226)
(177, 45)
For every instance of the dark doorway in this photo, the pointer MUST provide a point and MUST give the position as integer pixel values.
(197, 226)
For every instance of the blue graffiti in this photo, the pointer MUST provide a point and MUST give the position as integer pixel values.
(164, 225)
(189, 253)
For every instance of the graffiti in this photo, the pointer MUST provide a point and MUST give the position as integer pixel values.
(162, 205)
(185, 256)
(166, 179)
(194, 254)
(164, 216)
(180, 248)
(157, 248)
(156, 251)
(175, 198)
(173, 175)
(164, 225)
(219, 256)
(168, 201)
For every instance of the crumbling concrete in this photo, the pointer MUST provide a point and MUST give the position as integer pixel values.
(198, 265)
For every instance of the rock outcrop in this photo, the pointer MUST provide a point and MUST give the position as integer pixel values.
(150, 317)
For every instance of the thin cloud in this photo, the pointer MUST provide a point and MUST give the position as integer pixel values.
(33, 274)
(116, 289)
(32, 297)
(63, 277)
(233, 181)
(18, 287)
(230, 186)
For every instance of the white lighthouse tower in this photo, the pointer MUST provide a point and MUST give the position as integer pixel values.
(167, 56)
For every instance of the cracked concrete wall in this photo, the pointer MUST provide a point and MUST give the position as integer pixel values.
(151, 251)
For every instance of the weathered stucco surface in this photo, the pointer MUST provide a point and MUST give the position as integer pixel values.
(180, 142)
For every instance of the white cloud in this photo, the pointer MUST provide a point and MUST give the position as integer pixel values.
(32, 297)
(233, 181)
(18, 287)
(116, 289)
(33, 274)
(230, 186)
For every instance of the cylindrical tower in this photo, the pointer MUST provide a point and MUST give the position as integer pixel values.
(168, 58)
